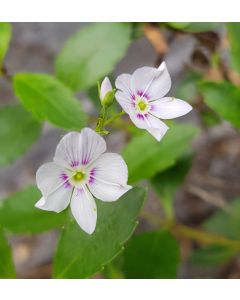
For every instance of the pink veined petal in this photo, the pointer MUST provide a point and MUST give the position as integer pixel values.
(53, 182)
(152, 124)
(68, 152)
(109, 179)
(170, 108)
(126, 103)
(93, 145)
(123, 83)
(84, 209)
(152, 82)
(76, 149)
(106, 86)
(157, 128)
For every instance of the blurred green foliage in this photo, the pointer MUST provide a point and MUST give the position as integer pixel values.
(224, 99)
(167, 182)
(6, 262)
(5, 37)
(15, 136)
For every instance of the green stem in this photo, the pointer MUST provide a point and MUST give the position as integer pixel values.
(100, 122)
(199, 235)
(113, 118)
(205, 237)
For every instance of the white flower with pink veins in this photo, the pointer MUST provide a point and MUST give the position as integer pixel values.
(80, 171)
(141, 96)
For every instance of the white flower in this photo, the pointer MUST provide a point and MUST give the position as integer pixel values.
(106, 87)
(141, 95)
(80, 171)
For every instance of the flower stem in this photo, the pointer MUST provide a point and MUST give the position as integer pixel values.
(199, 235)
(100, 122)
(113, 118)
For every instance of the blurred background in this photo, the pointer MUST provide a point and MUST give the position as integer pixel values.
(213, 179)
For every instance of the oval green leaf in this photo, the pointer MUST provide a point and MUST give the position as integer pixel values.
(92, 53)
(80, 255)
(145, 156)
(18, 213)
(49, 99)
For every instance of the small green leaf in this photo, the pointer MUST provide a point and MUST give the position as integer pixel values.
(7, 270)
(92, 53)
(145, 156)
(166, 183)
(211, 255)
(48, 99)
(152, 255)
(224, 99)
(233, 31)
(226, 223)
(80, 255)
(18, 131)
(18, 213)
(5, 37)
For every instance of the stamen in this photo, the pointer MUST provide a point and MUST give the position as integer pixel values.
(78, 176)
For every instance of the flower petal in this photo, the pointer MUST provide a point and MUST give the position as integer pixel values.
(106, 86)
(77, 149)
(126, 104)
(169, 108)
(123, 83)
(84, 209)
(158, 133)
(152, 124)
(54, 186)
(109, 179)
(152, 82)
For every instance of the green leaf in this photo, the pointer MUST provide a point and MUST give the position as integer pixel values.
(5, 37)
(152, 255)
(166, 183)
(145, 156)
(7, 270)
(18, 213)
(92, 53)
(194, 27)
(226, 223)
(18, 131)
(80, 255)
(48, 99)
(211, 255)
(233, 31)
(224, 99)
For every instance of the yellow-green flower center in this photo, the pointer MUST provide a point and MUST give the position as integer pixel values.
(142, 105)
(79, 176)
